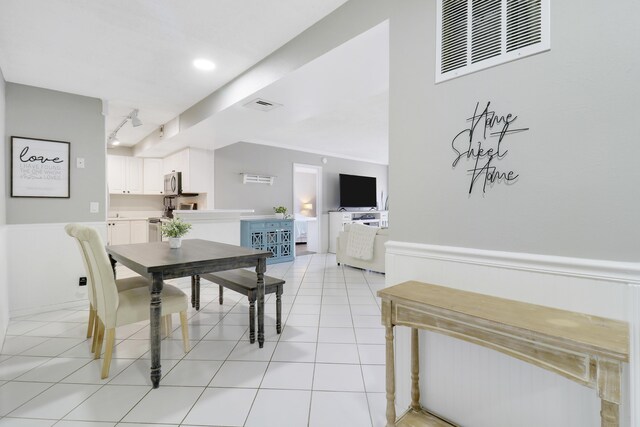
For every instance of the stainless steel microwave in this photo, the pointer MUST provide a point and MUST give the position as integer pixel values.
(173, 184)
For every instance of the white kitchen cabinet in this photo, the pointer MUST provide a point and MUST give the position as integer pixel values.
(125, 175)
(139, 231)
(196, 166)
(124, 231)
(118, 232)
(153, 176)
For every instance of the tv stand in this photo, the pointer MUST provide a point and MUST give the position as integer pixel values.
(337, 220)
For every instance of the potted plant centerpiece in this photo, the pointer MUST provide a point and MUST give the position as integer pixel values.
(174, 229)
(281, 212)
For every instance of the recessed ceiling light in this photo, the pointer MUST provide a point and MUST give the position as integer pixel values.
(204, 64)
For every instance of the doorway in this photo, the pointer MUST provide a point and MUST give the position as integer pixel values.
(307, 208)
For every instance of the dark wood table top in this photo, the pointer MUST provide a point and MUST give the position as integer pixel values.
(196, 256)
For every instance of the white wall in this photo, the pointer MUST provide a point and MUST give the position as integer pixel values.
(576, 202)
(4, 281)
(45, 265)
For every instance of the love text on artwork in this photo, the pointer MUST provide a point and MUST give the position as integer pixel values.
(25, 158)
(483, 144)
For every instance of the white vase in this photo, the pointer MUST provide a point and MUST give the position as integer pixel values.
(175, 242)
(280, 215)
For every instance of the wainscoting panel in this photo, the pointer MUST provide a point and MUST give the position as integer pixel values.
(43, 266)
(4, 285)
(478, 387)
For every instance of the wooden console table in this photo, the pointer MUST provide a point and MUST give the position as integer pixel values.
(587, 349)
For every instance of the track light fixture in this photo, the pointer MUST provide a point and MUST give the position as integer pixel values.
(135, 122)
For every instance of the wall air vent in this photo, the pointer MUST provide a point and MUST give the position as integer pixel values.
(472, 35)
(262, 105)
(253, 178)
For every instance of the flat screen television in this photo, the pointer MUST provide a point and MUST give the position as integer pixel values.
(357, 191)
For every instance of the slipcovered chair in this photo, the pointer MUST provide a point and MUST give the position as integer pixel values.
(117, 307)
(121, 284)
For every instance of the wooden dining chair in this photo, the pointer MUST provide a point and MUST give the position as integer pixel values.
(114, 307)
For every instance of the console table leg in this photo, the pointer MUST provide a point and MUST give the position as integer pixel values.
(391, 380)
(609, 414)
(415, 371)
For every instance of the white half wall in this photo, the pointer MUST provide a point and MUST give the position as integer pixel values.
(475, 386)
(4, 285)
(44, 265)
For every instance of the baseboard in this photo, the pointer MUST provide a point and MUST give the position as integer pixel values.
(45, 308)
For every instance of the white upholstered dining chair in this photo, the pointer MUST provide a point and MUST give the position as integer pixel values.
(121, 284)
(120, 302)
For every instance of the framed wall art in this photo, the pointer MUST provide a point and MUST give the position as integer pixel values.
(39, 168)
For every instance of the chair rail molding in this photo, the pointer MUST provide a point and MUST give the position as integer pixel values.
(598, 287)
(611, 271)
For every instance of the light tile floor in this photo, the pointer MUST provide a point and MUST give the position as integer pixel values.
(325, 369)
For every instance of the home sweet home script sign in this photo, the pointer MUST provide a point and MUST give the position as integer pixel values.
(482, 145)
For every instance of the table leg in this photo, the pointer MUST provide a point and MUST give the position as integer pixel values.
(415, 371)
(279, 309)
(197, 280)
(252, 317)
(113, 265)
(193, 291)
(609, 378)
(260, 270)
(391, 380)
(154, 329)
(609, 414)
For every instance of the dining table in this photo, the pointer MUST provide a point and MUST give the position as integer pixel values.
(159, 262)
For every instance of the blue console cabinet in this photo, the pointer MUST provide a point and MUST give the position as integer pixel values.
(275, 235)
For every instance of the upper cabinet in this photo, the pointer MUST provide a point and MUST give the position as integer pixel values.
(153, 176)
(196, 166)
(134, 175)
(125, 175)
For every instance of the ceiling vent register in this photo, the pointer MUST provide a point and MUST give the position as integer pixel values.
(476, 34)
(262, 105)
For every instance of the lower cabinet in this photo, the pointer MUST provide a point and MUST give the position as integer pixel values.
(118, 232)
(275, 235)
(124, 232)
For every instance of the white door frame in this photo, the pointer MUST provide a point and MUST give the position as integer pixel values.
(319, 197)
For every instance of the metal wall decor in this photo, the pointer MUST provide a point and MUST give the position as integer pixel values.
(482, 146)
(39, 168)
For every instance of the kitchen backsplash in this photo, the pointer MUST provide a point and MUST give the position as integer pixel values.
(140, 206)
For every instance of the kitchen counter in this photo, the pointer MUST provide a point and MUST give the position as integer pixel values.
(211, 214)
(219, 225)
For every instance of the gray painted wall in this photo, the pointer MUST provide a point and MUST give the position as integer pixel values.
(4, 281)
(577, 194)
(46, 114)
(233, 159)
